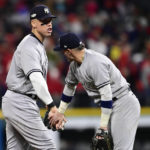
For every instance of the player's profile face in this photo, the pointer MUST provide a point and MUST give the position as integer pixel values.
(68, 55)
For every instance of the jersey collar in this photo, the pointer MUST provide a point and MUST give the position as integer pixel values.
(32, 34)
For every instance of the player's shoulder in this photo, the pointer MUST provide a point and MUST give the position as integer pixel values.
(29, 42)
(96, 57)
(94, 53)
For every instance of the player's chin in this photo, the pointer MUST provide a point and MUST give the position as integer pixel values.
(48, 33)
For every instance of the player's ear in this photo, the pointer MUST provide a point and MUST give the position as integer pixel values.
(69, 50)
(33, 23)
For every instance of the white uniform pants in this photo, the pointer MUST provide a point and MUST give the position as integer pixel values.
(24, 124)
(124, 121)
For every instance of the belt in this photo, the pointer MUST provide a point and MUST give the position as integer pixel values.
(116, 98)
(33, 96)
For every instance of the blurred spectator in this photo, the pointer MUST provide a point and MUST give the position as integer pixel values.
(91, 7)
(145, 73)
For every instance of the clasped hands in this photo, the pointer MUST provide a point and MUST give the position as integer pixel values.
(57, 120)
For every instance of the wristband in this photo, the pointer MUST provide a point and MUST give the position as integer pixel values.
(66, 98)
(50, 106)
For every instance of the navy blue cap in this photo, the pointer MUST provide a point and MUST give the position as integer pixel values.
(40, 12)
(68, 40)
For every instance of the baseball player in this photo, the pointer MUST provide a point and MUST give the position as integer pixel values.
(26, 81)
(120, 109)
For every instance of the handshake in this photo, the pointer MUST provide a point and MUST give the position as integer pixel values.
(54, 120)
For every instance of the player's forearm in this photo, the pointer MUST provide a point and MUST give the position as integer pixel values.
(66, 98)
(105, 116)
(63, 107)
(40, 87)
(106, 105)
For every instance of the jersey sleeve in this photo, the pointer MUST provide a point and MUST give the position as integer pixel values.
(100, 74)
(30, 61)
(70, 79)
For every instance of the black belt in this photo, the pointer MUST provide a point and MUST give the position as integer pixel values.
(33, 96)
(115, 98)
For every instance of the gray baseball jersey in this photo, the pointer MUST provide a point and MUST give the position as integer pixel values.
(24, 124)
(97, 71)
(30, 56)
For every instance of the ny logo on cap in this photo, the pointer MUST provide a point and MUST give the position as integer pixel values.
(65, 46)
(33, 15)
(46, 10)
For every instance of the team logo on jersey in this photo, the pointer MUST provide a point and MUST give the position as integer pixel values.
(46, 10)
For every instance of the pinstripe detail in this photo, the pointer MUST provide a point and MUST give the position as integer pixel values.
(90, 89)
(103, 84)
(33, 70)
(120, 90)
(117, 90)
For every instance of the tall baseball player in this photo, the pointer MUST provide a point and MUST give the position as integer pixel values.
(120, 109)
(26, 81)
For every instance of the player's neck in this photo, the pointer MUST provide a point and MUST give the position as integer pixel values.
(80, 57)
(38, 35)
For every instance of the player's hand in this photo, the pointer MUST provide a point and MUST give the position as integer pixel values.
(100, 129)
(102, 140)
(57, 119)
(46, 118)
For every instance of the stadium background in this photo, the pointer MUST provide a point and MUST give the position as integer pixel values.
(119, 29)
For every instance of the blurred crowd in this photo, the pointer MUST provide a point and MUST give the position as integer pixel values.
(119, 29)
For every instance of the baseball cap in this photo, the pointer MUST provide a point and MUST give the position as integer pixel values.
(40, 12)
(68, 40)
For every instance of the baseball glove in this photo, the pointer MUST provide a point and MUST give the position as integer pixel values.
(104, 143)
(46, 121)
(47, 124)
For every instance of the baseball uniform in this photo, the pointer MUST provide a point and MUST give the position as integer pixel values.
(23, 121)
(26, 82)
(96, 72)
